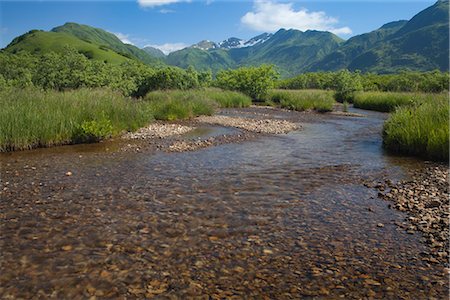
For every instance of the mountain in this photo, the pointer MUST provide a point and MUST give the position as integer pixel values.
(291, 50)
(420, 44)
(155, 52)
(355, 46)
(40, 42)
(205, 45)
(101, 37)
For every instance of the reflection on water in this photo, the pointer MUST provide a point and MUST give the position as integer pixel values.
(283, 216)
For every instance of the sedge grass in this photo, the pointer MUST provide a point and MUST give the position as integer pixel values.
(301, 100)
(421, 129)
(389, 101)
(32, 118)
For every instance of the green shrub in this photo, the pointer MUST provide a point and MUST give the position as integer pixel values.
(252, 81)
(421, 129)
(346, 84)
(94, 131)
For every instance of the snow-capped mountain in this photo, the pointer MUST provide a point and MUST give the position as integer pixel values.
(233, 42)
(258, 39)
(205, 45)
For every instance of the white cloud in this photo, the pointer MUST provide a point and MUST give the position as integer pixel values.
(153, 3)
(270, 16)
(166, 11)
(125, 38)
(170, 47)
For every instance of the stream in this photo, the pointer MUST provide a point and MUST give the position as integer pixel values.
(278, 216)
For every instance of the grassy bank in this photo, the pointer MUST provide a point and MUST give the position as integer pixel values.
(388, 101)
(421, 129)
(32, 118)
(301, 100)
(175, 104)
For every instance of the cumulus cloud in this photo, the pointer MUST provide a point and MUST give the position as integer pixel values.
(170, 47)
(125, 38)
(270, 16)
(153, 3)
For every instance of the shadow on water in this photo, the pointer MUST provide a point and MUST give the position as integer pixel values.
(282, 216)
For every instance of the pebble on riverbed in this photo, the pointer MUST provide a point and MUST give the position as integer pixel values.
(425, 198)
(158, 130)
(270, 126)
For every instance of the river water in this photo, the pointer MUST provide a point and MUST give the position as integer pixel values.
(283, 216)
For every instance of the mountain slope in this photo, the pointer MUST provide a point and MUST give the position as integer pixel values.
(291, 50)
(422, 44)
(154, 52)
(355, 46)
(101, 37)
(40, 42)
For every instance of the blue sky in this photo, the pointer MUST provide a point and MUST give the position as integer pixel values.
(172, 24)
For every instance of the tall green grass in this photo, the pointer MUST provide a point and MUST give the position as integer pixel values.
(176, 104)
(31, 118)
(389, 101)
(421, 129)
(301, 100)
(227, 99)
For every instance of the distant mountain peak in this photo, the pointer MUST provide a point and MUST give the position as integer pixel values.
(205, 45)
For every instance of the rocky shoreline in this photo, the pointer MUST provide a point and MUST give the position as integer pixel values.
(425, 198)
(169, 136)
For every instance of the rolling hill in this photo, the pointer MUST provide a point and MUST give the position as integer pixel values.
(39, 42)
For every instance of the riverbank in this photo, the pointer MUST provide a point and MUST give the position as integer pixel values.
(425, 198)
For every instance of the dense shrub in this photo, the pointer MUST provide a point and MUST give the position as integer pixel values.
(346, 85)
(252, 81)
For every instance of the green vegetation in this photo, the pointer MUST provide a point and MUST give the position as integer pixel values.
(174, 105)
(42, 42)
(319, 100)
(427, 82)
(347, 84)
(252, 81)
(421, 129)
(227, 99)
(388, 102)
(31, 118)
(106, 41)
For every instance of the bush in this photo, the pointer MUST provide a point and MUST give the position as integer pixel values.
(421, 129)
(252, 81)
(346, 86)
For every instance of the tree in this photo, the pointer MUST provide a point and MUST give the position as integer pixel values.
(252, 81)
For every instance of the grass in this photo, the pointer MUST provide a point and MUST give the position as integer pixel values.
(421, 129)
(389, 101)
(44, 42)
(171, 105)
(301, 100)
(32, 118)
(228, 99)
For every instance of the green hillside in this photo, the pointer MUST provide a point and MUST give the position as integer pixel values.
(40, 42)
(101, 37)
(290, 50)
(202, 60)
(154, 52)
(354, 47)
